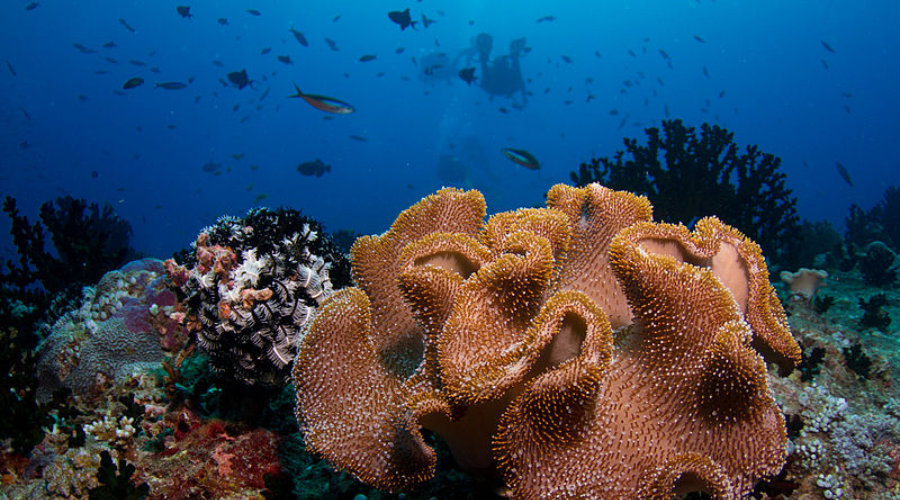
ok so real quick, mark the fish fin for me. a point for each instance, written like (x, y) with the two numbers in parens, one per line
(299, 93)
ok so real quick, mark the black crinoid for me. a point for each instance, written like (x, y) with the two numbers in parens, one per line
(250, 284)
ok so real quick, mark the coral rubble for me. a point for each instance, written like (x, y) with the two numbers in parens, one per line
(579, 349)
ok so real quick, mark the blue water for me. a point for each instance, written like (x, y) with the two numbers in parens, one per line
(148, 146)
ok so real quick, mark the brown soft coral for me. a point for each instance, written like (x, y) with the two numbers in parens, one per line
(580, 349)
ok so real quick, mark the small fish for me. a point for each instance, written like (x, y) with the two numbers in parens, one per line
(171, 85)
(631, 53)
(133, 82)
(222, 21)
(94, 174)
(324, 103)
(358, 138)
(260, 197)
(31, 6)
(126, 25)
(84, 50)
(184, 11)
(566, 59)
(299, 37)
(154, 69)
(503, 110)
(546, 19)
(367, 58)
(399, 50)
(468, 75)
(285, 59)
(331, 44)
(828, 47)
(254, 12)
(265, 50)
(402, 18)
(426, 22)
(664, 54)
(705, 72)
(842, 171)
(238, 156)
(108, 45)
(137, 62)
(313, 168)
(614, 112)
(240, 79)
(721, 94)
(521, 157)
(699, 39)
(210, 166)
(336, 18)
(12, 70)
(217, 63)
(265, 93)
(825, 64)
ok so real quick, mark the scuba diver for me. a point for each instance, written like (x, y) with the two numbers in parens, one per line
(502, 75)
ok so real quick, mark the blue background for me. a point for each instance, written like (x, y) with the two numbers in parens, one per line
(766, 55)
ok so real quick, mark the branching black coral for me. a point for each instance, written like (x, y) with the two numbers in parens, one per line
(687, 174)
(115, 483)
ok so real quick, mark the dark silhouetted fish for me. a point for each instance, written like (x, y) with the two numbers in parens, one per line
(705, 72)
(426, 22)
(402, 18)
(84, 50)
(171, 85)
(265, 50)
(238, 156)
(825, 64)
(367, 58)
(12, 70)
(154, 69)
(222, 21)
(631, 53)
(336, 18)
(108, 45)
(399, 50)
(133, 82)
(664, 54)
(31, 6)
(331, 44)
(210, 166)
(126, 25)
(184, 11)
(253, 12)
(299, 37)
(699, 39)
(842, 171)
(240, 79)
(546, 19)
(358, 138)
(324, 103)
(828, 47)
(521, 157)
(313, 168)
(285, 59)
(137, 62)
(566, 59)
(468, 75)
(217, 63)
(721, 94)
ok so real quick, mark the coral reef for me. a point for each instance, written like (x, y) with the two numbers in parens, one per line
(804, 283)
(874, 313)
(876, 263)
(579, 349)
(124, 323)
(702, 174)
(250, 285)
(879, 223)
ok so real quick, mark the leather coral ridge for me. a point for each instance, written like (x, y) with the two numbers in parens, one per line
(579, 349)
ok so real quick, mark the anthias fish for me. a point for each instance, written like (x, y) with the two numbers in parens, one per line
(402, 18)
(521, 157)
(324, 103)
(171, 85)
(133, 82)
(184, 11)
(240, 79)
(300, 38)
(842, 171)
(468, 75)
(313, 168)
